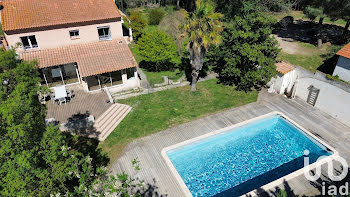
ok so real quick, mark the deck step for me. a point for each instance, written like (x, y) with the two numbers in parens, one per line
(111, 112)
(110, 119)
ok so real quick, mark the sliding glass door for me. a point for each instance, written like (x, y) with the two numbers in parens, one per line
(59, 75)
(104, 80)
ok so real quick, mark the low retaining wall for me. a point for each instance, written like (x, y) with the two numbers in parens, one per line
(333, 98)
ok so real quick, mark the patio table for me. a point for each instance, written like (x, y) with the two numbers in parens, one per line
(60, 92)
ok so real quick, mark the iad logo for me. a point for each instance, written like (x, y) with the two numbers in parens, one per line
(331, 189)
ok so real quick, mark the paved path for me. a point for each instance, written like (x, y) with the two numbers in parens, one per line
(146, 89)
(161, 181)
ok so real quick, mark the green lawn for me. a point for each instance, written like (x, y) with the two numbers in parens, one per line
(308, 62)
(157, 77)
(161, 110)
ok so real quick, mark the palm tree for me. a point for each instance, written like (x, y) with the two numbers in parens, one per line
(203, 27)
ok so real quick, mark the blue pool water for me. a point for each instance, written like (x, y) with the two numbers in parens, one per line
(235, 162)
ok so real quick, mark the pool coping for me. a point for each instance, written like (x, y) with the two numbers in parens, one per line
(267, 186)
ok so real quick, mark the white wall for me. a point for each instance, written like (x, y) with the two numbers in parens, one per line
(128, 84)
(332, 100)
(283, 82)
(343, 69)
(60, 37)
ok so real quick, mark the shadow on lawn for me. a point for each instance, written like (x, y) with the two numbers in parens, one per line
(306, 31)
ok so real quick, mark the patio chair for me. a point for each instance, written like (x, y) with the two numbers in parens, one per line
(62, 100)
(70, 94)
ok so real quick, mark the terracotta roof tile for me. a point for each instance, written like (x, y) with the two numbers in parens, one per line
(92, 58)
(345, 51)
(284, 67)
(27, 14)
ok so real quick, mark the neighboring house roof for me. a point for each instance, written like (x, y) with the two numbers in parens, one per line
(284, 67)
(345, 51)
(36, 15)
(92, 58)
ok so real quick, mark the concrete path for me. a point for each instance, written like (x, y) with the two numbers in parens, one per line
(152, 90)
(161, 181)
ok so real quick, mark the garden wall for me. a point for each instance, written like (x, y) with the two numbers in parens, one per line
(333, 98)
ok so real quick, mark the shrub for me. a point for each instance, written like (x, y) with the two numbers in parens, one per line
(312, 13)
(158, 51)
(155, 16)
(137, 24)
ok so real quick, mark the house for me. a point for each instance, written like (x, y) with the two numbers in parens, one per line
(342, 69)
(74, 42)
(285, 78)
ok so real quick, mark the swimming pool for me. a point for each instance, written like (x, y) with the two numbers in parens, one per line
(239, 159)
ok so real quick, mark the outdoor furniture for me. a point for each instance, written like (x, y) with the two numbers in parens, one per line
(62, 100)
(60, 94)
(70, 94)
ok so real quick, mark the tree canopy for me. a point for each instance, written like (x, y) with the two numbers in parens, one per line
(203, 27)
(35, 159)
(137, 24)
(246, 57)
(158, 51)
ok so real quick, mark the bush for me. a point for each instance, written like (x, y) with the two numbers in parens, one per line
(312, 13)
(155, 16)
(137, 24)
(331, 51)
(158, 51)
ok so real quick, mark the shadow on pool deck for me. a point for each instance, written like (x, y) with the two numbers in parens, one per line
(265, 178)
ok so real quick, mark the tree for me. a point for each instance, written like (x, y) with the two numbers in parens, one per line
(203, 27)
(246, 57)
(340, 9)
(158, 51)
(137, 24)
(155, 16)
(35, 159)
(316, 9)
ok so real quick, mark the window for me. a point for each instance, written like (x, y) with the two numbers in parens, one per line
(104, 33)
(29, 42)
(74, 33)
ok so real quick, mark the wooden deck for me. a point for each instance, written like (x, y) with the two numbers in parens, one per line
(82, 104)
(160, 180)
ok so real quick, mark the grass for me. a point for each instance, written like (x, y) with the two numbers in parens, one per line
(308, 62)
(158, 111)
(157, 77)
(307, 45)
(300, 15)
